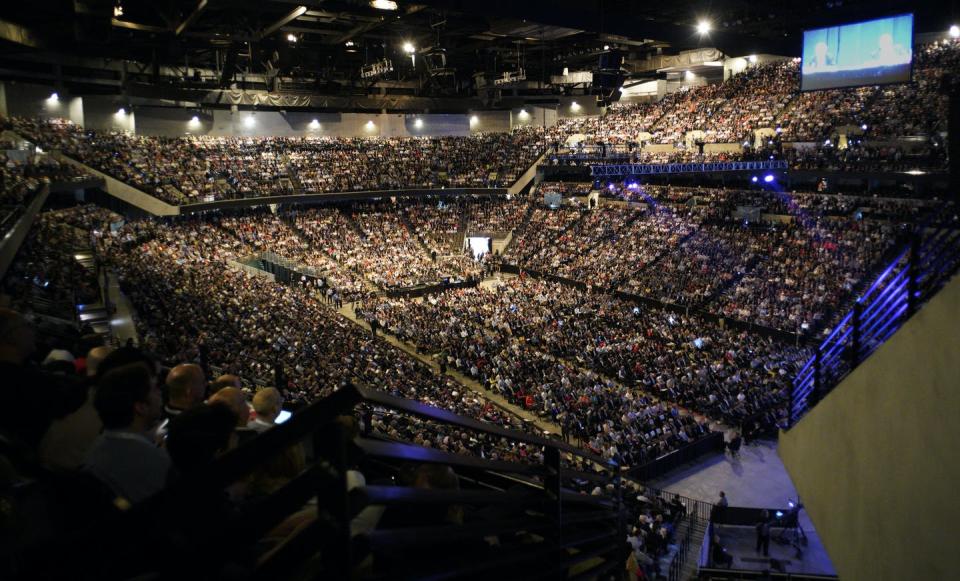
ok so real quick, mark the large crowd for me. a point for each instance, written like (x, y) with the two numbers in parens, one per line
(615, 328)
(612, 371)
(199, 168)
(789, 263)
(22, 174)
(767, 96)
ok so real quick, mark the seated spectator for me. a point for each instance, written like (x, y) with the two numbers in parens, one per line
(186, 388)
(267, 404)
(199, 435)
(124, 457)
(32, 398)
(69, 439)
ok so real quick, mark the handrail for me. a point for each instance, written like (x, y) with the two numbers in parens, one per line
(551, 512)
(921, 267)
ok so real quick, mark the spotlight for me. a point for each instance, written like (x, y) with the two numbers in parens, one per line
(779, 130)
(752, 58)
(418, 123)
(688, 75)
(409, 48)
(383, 4)
(523, 113)
(121, 112)
(348, 44)
(606, 47)
(53, 98)
(291, 37)
(864, 127)
(704, 27)
(768, 178)
(754, 179)
(474, 120)
(370, 125)
(955, 31)
(249, 121)
(314, 124)
(574, 106)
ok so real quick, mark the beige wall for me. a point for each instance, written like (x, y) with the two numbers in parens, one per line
(877, 462)
(127, 193)
(100, 112)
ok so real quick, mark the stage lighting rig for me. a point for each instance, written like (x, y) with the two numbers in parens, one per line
(377, 69)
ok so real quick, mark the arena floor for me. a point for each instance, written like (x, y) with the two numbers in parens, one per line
(756, 479)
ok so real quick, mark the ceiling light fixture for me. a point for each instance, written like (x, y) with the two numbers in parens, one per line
(383, 4)
(704, 27)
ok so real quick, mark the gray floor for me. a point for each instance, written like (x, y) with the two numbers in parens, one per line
(121, 323)
(757, 479)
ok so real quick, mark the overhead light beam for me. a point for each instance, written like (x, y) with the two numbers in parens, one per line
(191, 18)
(293, 15)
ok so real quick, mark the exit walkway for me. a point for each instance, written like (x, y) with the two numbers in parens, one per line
(546, 426)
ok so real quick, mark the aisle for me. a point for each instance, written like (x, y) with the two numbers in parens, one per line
(544, 425)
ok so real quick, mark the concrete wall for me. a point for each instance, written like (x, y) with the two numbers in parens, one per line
(11, 241)
(127, 193)
(579, 106)
(103, 113)
(26, 100)
(876, 462)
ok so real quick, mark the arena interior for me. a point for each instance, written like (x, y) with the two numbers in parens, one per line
(433, 289)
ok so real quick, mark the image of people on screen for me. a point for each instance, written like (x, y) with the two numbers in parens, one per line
(822, 58)
(873, 52)
(889, 54)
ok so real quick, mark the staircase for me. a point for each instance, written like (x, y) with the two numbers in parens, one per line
(96, 314)
(519, 230)
(294, 177)
(305, 241)
(415, 234)
(718, 292)
(681, 563)
(626, 275)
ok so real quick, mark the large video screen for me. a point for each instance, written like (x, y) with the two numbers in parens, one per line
(875, 52)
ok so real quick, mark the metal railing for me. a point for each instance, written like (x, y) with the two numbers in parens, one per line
(920, 269)
(696, 520)
(544, 524)
(675, 571)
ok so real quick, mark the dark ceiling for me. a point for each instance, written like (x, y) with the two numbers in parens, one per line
(322, 45)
